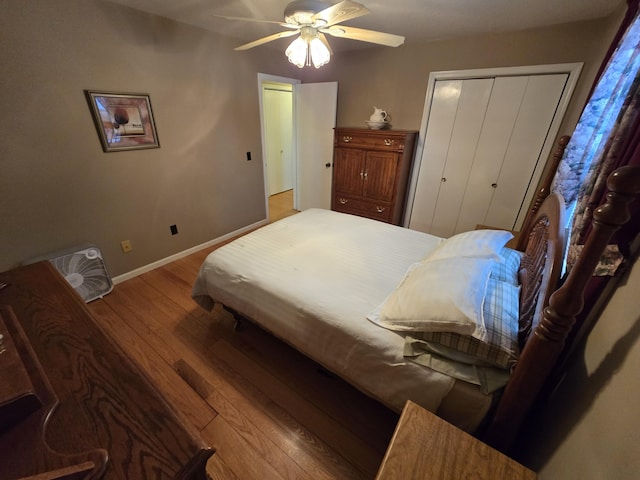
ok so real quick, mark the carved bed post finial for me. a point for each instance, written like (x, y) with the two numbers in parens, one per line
(568, 300)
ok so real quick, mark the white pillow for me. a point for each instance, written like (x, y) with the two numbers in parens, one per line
(439, 296)
(476, 243)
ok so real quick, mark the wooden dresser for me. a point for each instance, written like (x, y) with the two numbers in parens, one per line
(89, 411)
(425, 447)
(371, 171)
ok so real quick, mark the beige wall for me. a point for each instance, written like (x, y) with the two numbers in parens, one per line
(396, 78)
(591, 430)
(59, 189)
(401, 74)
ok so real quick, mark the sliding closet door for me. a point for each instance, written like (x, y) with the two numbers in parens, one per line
(460, 144)
(482, 146)
(500, 118)
(531, 128)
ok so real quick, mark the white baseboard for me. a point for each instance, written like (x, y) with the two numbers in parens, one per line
(184, 253)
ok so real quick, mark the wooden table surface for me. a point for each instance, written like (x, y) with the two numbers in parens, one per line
(425, 447)
(100, 412)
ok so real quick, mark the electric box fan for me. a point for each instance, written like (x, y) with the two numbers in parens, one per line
(84, 269)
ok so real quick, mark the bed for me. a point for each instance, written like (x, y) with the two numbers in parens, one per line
(334, 287)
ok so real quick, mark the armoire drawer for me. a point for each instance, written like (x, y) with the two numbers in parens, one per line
(364, 140)
(378, 211)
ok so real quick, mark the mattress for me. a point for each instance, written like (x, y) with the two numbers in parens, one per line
(312, 278)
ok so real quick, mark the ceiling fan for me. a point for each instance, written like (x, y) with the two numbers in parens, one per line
(311, 19)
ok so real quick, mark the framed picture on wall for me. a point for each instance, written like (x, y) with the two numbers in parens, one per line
(124, 120)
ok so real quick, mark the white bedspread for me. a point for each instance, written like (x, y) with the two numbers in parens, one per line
(311, 279)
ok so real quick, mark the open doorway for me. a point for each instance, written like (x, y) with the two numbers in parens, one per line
(278, 144)
(310, 120)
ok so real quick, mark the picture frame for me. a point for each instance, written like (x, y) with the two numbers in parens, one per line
(124, 120)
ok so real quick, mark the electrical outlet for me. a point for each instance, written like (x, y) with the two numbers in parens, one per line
(126, 246)
(174, 229)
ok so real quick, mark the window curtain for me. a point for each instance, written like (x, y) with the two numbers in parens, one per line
(606, 137)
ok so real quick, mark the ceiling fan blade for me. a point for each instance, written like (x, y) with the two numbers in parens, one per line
(244, 19)
(371, 36)
(324, 40)
(262, 40)
(340, 12)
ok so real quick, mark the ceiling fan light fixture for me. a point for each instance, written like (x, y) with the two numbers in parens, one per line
(320, 54)
(308, 49)
(312, 19)
(297, 52)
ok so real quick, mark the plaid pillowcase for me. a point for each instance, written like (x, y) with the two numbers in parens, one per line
(500, 313)
(507, 270)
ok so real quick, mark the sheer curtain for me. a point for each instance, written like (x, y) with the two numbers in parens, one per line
(606, 137)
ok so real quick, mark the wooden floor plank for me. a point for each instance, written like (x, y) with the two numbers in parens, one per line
(281, 205)
(300, 408)
(234, 397)
(168, 382)
(173, 282)
(237, 454)
(261, 436)
(321, 387)
(181, 356)
(218, 470)
(269, 411)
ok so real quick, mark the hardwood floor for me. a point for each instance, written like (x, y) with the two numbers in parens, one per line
(270, 412)
(281, 205)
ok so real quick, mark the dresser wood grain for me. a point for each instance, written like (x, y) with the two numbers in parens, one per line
(102, 417)
(371, 171)
(425, 447)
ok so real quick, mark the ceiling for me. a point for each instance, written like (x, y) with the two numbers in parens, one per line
(417, 20)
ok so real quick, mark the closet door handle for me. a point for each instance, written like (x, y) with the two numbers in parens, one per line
(443, 179)
(494, 185)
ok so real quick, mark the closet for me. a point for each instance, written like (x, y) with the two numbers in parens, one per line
(485, 146)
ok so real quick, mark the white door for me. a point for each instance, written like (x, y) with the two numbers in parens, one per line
(484, 147)
(315, 107)
(314, 117)
(278, 128)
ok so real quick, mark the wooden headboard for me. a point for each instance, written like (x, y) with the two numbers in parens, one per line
(542, 262)
(547, 318)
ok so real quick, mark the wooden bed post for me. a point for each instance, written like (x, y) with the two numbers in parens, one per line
(548, 339)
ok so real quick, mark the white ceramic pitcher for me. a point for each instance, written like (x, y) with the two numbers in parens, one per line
(378, 115)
